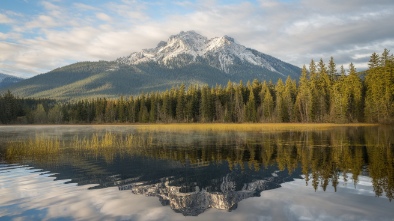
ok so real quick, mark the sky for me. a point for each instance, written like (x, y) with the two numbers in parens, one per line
(38, 36)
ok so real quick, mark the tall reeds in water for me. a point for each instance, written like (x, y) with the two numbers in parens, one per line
(38, 147)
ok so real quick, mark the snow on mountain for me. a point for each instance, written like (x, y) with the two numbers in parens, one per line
(190, 47)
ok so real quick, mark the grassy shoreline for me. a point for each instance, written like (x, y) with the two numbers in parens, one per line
(249, 126)
(186, 127)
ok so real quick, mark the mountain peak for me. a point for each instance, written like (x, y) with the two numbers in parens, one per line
(186, 34)
(227, 38)
(188, 47)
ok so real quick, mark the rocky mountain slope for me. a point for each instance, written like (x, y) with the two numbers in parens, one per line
(220, 52)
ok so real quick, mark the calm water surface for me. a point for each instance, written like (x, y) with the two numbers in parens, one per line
(142, 173)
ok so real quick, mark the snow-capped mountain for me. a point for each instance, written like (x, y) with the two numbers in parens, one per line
(222, 53)
(186, 58)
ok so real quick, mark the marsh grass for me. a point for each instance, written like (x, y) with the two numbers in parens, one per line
(38, 147)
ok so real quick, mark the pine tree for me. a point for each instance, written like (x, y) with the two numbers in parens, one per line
(373, 61)
(143, 113)
(339, 102)
(192, 104)
(206, 107)
(219, 103)
(180, 104)
(121, 109)
(332, 71)
(8, 108)
(239, 103)
(379, 97)
(354, 90)
(314, 91)
(250, 109)
(267, 104)
(323, 97)
(165, 113)
(229, 110)
(304, 98)
(289, 96)
(153, 108)
(280, 111)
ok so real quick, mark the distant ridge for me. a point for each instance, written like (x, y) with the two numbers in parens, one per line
(8, 80)
(186, 58)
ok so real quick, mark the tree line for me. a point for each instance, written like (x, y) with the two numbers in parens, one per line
(322, 94)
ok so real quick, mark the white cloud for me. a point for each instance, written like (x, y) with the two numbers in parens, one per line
(42, 21)
(82, 6)
(4, 19)
(103, 16)
(294, 31)
(50, 6)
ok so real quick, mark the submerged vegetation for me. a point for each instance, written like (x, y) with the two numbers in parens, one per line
(322, 94)
(323, 155)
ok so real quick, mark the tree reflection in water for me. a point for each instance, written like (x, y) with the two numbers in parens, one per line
(195, 170)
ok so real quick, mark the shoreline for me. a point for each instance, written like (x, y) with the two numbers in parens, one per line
(210, 126)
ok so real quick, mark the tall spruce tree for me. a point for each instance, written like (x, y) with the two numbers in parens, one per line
(250, 108)
(304, 98)
(280, 111)
(267, 103)
(180, 103)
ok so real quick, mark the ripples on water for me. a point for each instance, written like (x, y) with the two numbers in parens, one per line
(125, 172)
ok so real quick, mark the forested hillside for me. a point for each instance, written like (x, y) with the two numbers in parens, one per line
(322, 94)
(8, 80)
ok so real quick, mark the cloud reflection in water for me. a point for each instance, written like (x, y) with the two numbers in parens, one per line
(34, 195)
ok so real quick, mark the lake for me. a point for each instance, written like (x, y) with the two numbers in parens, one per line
(197, 172)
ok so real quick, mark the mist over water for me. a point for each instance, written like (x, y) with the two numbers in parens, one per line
(150, 173)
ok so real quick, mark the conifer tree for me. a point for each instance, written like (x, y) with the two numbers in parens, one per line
(8, 108)
(280, 111)
(153, 108)
(289, 96)
(165, 113)
(239, 103)
(332, 71)
(304, 98)
(267, 104)
(379, 97)
(206, 109)
(180, 103)
(250, 109)
(339, 103)
(323, 97)
(354, 90)
(229, 110)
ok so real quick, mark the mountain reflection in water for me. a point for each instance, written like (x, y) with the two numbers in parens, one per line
(192, 171)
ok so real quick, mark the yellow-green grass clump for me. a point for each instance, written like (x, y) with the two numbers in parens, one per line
(35, 147)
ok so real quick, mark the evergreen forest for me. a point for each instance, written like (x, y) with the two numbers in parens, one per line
(323, 93)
